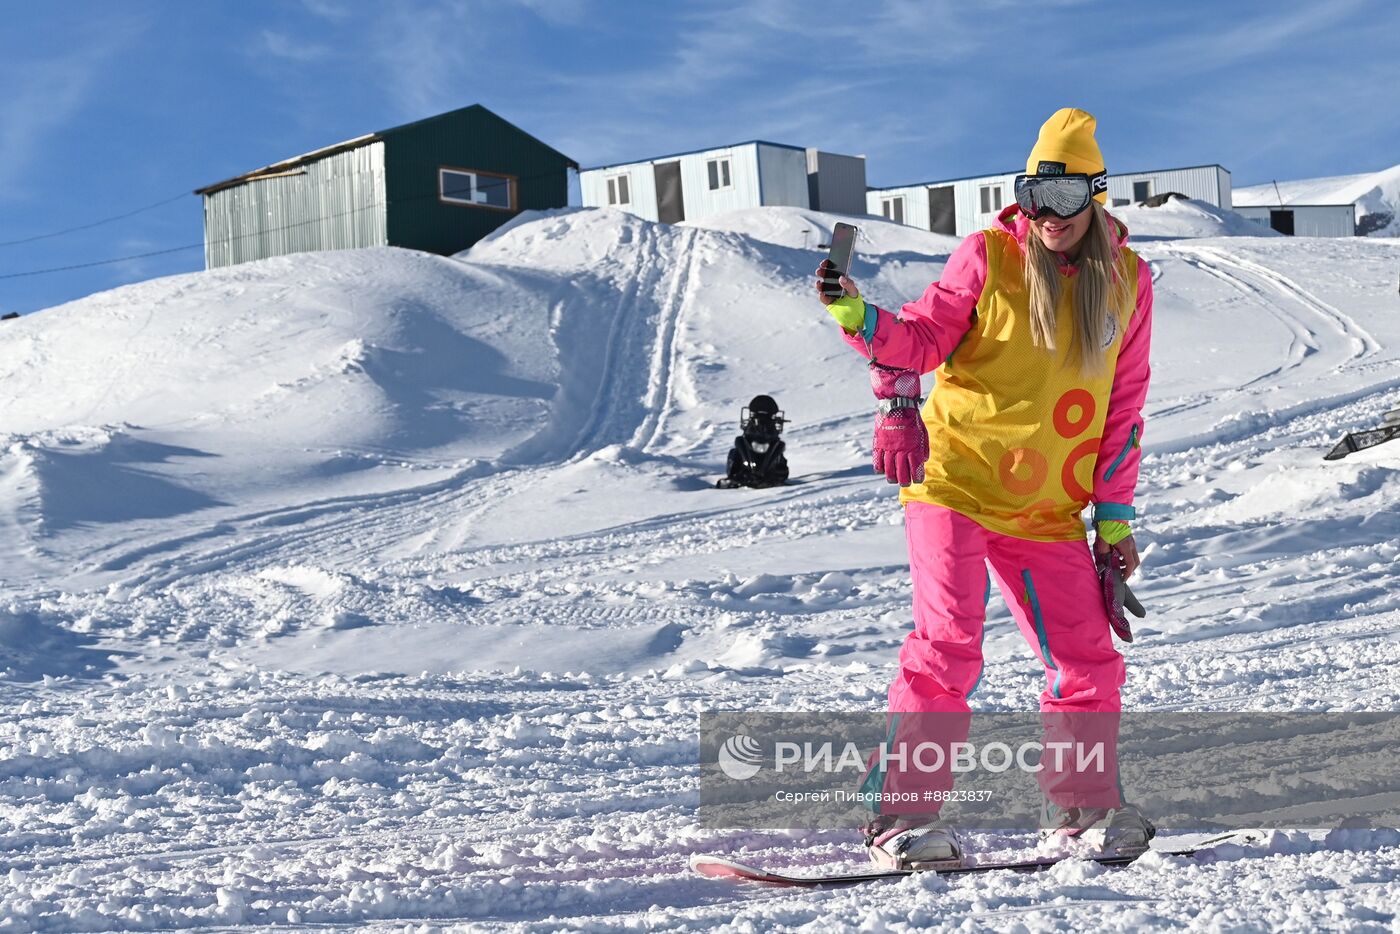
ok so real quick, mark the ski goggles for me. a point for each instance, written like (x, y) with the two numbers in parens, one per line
(1061, 195)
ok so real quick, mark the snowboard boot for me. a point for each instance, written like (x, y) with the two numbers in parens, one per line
(912, 843)
(1122, 831)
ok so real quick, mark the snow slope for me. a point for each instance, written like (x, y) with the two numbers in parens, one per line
(1375, 193)
(382, 590)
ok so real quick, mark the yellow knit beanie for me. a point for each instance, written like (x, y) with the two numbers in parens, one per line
(1066, 146)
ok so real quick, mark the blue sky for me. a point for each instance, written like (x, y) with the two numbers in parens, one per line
(108, 108)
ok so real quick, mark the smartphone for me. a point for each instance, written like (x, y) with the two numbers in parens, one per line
(843, 240)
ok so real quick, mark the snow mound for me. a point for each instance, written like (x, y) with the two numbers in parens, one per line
(801, 228)
(1182, 218)
(379, 347)
(71, 477)
(1375, 194)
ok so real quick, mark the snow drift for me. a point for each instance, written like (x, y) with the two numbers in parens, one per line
(1179, 218)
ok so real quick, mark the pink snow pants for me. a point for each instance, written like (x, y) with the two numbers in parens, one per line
(1052, 590)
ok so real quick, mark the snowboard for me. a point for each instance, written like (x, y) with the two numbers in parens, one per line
(720, 867)
(1361, 440)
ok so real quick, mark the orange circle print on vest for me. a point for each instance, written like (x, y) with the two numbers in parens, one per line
(1023, 471)
(1067, 478)
(1068, 426)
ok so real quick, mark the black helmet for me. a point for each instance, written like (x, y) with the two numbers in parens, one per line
(763, 405)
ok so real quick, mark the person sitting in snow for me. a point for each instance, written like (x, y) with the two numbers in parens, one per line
(1038, 330)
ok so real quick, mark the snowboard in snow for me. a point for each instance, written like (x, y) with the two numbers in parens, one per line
(719, 867)
(1361, 440)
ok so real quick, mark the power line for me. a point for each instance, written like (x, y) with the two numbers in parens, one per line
(100, 262)
(99, 223)
(256, 233)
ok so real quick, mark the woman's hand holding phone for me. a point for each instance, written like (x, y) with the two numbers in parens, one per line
(841, 297)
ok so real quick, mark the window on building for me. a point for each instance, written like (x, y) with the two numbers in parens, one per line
(1142, 190)
(991, 198)
(618, 192)
(1119, 202)
(893, 209)
(719, 174)
(477, 189)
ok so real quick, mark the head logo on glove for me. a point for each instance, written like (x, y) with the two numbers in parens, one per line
(900, 447)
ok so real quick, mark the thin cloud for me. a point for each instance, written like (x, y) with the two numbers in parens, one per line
(282, 46)
(424, 51)
(44, 95)
(1256, 38)
(327, 10)
(430, 52)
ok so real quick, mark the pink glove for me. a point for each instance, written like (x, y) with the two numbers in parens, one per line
(901, 440)
(1116, 595)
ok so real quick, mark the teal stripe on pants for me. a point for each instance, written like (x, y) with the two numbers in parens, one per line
(1040, 631)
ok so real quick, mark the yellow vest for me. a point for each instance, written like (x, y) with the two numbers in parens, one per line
(1014, 429)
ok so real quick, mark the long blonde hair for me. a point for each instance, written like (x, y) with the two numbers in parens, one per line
(1099, 290)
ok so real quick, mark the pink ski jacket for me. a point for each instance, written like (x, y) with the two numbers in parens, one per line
(1020, 440)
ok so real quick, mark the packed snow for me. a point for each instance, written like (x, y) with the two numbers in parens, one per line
(383, 590)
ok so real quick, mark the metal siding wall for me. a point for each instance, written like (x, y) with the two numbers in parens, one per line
(1309, 220)
(473, 138)
(593, 188)
(1323, 220)
(337, 203)
(840, 181)
(1227, 195)
(967, 202)
(872, 199)
(915, 204)
(783, 176)
(642, 179)
(916, 207)
(641, 184)
(1200, 184)
(743, 192)
(1259, 216)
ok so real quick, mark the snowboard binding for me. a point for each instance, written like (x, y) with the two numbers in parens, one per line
(757, 460)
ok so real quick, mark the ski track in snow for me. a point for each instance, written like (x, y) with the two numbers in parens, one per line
(1327, 341)
(468, 699)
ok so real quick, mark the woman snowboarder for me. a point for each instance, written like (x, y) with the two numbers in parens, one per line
(1038, 330)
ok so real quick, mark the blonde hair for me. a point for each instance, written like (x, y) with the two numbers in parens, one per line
(1098, 290)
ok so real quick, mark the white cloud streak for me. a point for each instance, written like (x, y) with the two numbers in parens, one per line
(44, 95)
(288, 48)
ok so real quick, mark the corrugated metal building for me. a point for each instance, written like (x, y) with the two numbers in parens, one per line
(437, 185)
(962, 206)
(695, 185)
(835, 183)
(1209, 183)
(1305, 220)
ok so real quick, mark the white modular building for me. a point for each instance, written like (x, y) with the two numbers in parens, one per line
(1304, 220)
(956, 207)
(962, 206)
(699, 184)
(1209, 183)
